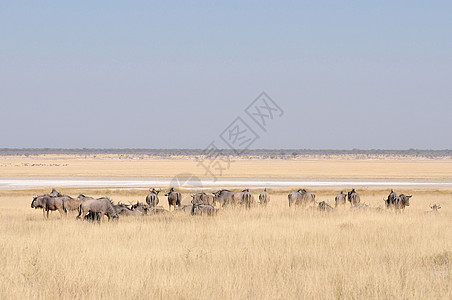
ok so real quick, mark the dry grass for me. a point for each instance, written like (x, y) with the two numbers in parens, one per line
(260, 254)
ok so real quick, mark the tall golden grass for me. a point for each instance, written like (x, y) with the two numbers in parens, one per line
(272, 253)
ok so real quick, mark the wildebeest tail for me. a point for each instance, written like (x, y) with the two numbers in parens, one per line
(79, 211)
(64, 207)
(178, 199)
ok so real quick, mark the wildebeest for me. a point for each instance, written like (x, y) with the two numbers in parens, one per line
(341, 199)
(353, 197)
(55, 193)
(124, 210)
(84, 198)
(203, 197)
(157, 210)
(174, 198)
(185, 209)
(103, 206)
(324, 206)
(152, 199)
(48, 203)
(203, 209)
(140, 207)
(435, 207)
(301, 197)
(401, 201)
(247, 198)
(390, 201)
(71, 204)
(264, 198)
(226, 197)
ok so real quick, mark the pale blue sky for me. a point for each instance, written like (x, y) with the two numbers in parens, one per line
(355, 74)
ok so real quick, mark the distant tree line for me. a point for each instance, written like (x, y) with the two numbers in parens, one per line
(260, 153)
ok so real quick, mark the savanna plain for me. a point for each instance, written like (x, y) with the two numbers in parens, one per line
(274, 252)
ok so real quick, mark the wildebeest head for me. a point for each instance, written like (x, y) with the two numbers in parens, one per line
(197, 198)
(406, 199)
(401, 201)
(55, 193)
(35, 203)
(141, 207)
(154, 191)
(170, 191)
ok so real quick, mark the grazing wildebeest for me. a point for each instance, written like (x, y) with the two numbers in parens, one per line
(174, 198)
(185, 209)
(247, 198)
(226, 197)
(48, 203)
(203, 209)
(401, 201)
(341, 199)
(301, 197)
(264, 198)
(324, 206)
(124, 211)
(152, 199)
(103, 206)
(140, 207)
(203, 197)
(157, 210)
(390, 201)
(353, 197)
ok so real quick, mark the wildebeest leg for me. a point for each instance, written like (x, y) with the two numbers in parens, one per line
(44, 213)
(48, 213)
(80, 212)
(61, 211)
(100, 217)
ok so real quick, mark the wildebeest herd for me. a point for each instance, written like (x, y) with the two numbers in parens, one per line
(202, 203)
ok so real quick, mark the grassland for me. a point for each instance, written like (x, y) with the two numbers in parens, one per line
(271, 253)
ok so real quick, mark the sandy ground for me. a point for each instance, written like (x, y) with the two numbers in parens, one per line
(108, 166)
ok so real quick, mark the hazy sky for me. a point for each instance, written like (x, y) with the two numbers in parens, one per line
(137, 74)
